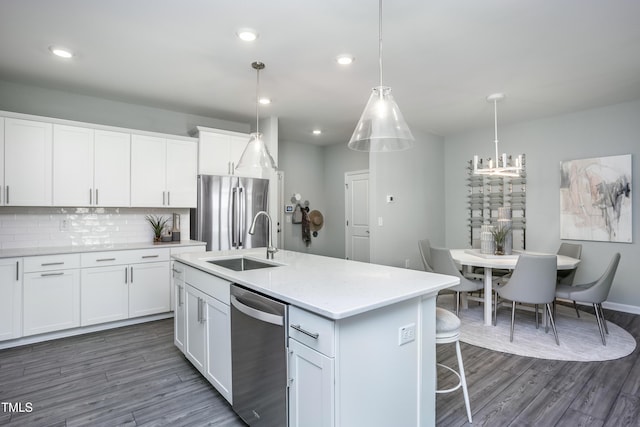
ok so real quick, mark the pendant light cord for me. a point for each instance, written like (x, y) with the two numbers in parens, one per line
(257, 100)
(380, 43)
(495, 119)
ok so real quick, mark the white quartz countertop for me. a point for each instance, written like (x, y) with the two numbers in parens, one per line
(331, 287)
(57, 250)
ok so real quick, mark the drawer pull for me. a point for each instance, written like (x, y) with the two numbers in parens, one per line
(175, 270)
(46, 264)
(105, 259)
(52, 274)
(310, 334)
(150, 256)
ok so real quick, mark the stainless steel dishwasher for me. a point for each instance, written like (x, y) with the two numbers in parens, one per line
(259, 358)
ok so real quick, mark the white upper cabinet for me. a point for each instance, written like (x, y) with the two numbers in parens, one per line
(112, 168)
(219, 151)
(1, 161)
(163, 172)
(90, 168)
(27, 163)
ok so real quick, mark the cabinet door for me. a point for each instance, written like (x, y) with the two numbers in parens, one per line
(311, 390)
(1, 161)
(218, 367)
(195, 327)
(112, 168)
(213, 154)
(51, 301)
(149, 288)
(28, 163)
(237, 144)
(182, 176)
(179, 316)
(10, 298)
(72, 166)
(148, 171)
(104, 294)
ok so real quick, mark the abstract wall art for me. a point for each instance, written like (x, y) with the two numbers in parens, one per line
(595, 199)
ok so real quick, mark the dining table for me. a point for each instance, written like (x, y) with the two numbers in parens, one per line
(475, 258)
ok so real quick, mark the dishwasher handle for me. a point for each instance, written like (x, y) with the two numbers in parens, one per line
(257, 314)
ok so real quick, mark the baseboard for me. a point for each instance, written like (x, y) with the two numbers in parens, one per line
(83, 330)
(625, 308)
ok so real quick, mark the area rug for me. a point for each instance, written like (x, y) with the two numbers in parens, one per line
(579, 337)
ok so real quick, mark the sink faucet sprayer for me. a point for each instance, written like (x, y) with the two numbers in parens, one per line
(270, 249)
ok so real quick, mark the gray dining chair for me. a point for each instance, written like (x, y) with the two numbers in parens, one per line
(565, 277)
(533, 282)
(594, 293)
(443, 263)
(425, 252)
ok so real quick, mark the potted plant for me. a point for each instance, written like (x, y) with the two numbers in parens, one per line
(158, 224)
(500, 234)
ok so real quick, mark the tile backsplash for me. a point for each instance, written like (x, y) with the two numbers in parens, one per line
(25, 227)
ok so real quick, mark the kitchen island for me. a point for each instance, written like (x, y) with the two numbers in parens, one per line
(366, 352)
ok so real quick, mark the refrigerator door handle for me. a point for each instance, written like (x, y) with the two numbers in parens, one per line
(234, 217)
(241, 217)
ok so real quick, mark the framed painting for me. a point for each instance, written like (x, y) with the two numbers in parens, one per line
(595, 199)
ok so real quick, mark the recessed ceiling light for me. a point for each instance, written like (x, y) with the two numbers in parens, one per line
(344, 59)
(317, 132)
(264, 101)
(247, 34)
(62, 52)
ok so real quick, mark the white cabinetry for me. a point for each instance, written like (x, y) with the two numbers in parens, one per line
(90, 167)
(177, 271)
(27, 162)
(311, 370)
(219, 151)
(124, 284)
(163, 172)
(51, 293)
(207, 342)
(1, 161)
(179, 316)
(10, 298)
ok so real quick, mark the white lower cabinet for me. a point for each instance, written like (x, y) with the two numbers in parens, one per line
(10, 298)
(207, 327)
(104, 294)
(51, 293)
(149, 289)
(179, 316)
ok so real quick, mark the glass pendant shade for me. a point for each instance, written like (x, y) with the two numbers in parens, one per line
(381, 126)
(256, 154)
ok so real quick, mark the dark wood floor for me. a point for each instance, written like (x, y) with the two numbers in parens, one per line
(134, 376)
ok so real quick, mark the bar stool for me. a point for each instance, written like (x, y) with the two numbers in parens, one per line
(448, 331)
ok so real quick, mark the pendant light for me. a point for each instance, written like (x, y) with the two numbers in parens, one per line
(256, 154)
(499, 165)
(381, 126)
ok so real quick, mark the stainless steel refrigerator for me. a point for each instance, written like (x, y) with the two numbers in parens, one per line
(226, 207)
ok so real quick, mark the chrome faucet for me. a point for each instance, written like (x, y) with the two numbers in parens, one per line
(270, 249)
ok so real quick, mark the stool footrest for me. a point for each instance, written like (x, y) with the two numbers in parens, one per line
(457, 386)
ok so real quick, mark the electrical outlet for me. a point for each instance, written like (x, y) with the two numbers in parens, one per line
(406, 334)
(64, 225)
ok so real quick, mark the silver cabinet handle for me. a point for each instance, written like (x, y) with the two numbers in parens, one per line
(17, 270)
(97, 196)
(6, 199)
(168, 198)
(307, 333)
(150, 256)
(199, 311)
(90, 196)
(204, 318)
(177, 271)
(52, 274)
(105, 259)
(180, 296)
(132, 275)
(126, 276)
(163, 198)
(51, 263)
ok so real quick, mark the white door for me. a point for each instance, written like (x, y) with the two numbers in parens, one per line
(182, 176)
(28, 162)
(357, 215)
(149, 288)
(104, 294)
(194, 346)
(218, 368)
(72, 166)
(213, 157)
(10, 298)
(179, 315)
(148, 171)
(112, 168)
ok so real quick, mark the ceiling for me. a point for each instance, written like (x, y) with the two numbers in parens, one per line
(441, 57)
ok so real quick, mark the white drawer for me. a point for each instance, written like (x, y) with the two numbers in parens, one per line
(51, 262)
(312, 330)
(101, 259)
(211, 285)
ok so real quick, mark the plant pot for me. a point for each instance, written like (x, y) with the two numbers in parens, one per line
(499, 249)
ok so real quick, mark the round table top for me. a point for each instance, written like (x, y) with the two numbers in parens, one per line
(475, 258)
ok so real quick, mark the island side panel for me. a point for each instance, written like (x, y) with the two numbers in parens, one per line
(428, 375)
(377, 380)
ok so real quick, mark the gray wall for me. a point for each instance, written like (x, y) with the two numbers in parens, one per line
(415, 178)
(609, 131)
(19, 98)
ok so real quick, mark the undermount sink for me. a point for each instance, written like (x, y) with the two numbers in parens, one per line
(241, 263)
